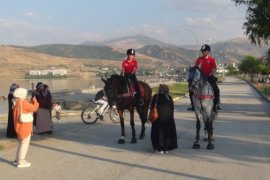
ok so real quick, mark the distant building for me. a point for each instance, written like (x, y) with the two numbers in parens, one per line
(35, 72)
(54, 72)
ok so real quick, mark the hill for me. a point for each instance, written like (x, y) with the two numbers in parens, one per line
(236, 49)
(15, 62)
(231, 50)
(81, 60)
(136, 42)
(169, 53)
(78, 51)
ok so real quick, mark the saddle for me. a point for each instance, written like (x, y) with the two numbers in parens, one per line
(131, 90)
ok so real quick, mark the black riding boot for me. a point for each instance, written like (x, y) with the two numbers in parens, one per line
(138, 98)
(213, 82)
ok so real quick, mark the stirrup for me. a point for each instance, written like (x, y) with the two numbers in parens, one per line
(140, 102)
(218, 108)
(190, 108)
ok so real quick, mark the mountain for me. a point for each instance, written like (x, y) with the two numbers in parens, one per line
(150, 48)
(78, 51)
(236, 49)
(16, 62)
(169, 53)
(136, 41)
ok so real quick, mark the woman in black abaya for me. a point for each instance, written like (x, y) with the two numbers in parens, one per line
(163, 131)
(10, 126)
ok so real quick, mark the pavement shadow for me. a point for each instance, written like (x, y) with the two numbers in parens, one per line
(133, 165)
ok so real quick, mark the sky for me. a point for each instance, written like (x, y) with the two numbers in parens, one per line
(36, 22)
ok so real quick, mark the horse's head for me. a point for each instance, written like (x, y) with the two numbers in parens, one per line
(195, 78)
(113, 87)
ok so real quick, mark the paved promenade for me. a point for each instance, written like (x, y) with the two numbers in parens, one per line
(79, 151)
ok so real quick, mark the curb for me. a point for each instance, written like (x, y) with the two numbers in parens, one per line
(261, 94)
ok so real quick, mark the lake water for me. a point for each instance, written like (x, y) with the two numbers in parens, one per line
(54, 85)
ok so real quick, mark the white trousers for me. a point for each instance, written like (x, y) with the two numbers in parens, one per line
(22, 149)
(103, 104)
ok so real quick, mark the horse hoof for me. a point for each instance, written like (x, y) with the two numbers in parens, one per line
(196, 146)
(121, 141)
(133, 141)
(141, 136)
(210, 146)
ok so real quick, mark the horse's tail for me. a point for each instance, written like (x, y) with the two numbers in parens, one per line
(147, 96)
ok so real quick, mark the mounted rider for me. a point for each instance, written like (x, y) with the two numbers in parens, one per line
(129, 69)
(208, 66)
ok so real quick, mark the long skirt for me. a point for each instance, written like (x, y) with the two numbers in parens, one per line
(43, 121)
(163, 135)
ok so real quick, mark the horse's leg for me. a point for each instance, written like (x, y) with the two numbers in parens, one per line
(142, 111)
(209, 128)
(196, 144)
(132, 124)
(211, 132)
(123, 134)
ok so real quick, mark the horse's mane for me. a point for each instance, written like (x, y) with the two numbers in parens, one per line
(118, 78)
(194, 68)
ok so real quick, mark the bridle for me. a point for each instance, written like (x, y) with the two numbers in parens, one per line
(195, 82)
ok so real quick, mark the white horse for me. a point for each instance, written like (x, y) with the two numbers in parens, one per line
(203, 96)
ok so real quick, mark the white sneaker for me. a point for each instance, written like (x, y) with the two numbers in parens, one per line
(159, 152)
(26, 164)
(15, 163)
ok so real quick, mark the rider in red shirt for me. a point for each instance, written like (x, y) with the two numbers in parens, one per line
(129, 69)
(208, 66)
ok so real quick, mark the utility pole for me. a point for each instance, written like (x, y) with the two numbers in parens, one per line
(196, 40)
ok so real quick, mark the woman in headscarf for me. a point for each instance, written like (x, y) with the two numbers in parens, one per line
(10, 126)
(163, 131)
(43, 118)
(23, 130)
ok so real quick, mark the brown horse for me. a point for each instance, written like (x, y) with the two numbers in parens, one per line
(116, 89)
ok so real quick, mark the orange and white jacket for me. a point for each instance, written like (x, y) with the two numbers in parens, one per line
(23, 130)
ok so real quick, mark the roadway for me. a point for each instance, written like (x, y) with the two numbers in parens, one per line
(79, 151)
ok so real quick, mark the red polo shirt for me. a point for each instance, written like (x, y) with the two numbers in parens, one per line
(130, 66)
(206, 65)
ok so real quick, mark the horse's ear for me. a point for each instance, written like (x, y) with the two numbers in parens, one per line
(104, 80)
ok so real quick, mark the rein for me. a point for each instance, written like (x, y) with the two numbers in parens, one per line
(200, 96)
(201, 83)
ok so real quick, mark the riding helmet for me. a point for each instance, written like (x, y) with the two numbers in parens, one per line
(131, 52)
(205, 47)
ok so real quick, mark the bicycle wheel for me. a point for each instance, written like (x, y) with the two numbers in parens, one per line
(114, 116)
(89, 115)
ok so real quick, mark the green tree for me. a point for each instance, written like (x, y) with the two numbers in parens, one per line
(249, 65)
(231, 70)
(257, 23)
(267, 66)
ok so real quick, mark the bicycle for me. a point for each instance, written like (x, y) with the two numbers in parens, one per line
(90, 115)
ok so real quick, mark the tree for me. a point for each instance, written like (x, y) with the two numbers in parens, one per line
(249, 65)
(267, 65)
(257, 23)
(232, 70)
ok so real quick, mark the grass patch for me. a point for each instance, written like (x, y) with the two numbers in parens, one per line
(1, 147)
(264, 89)
(176, 90)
